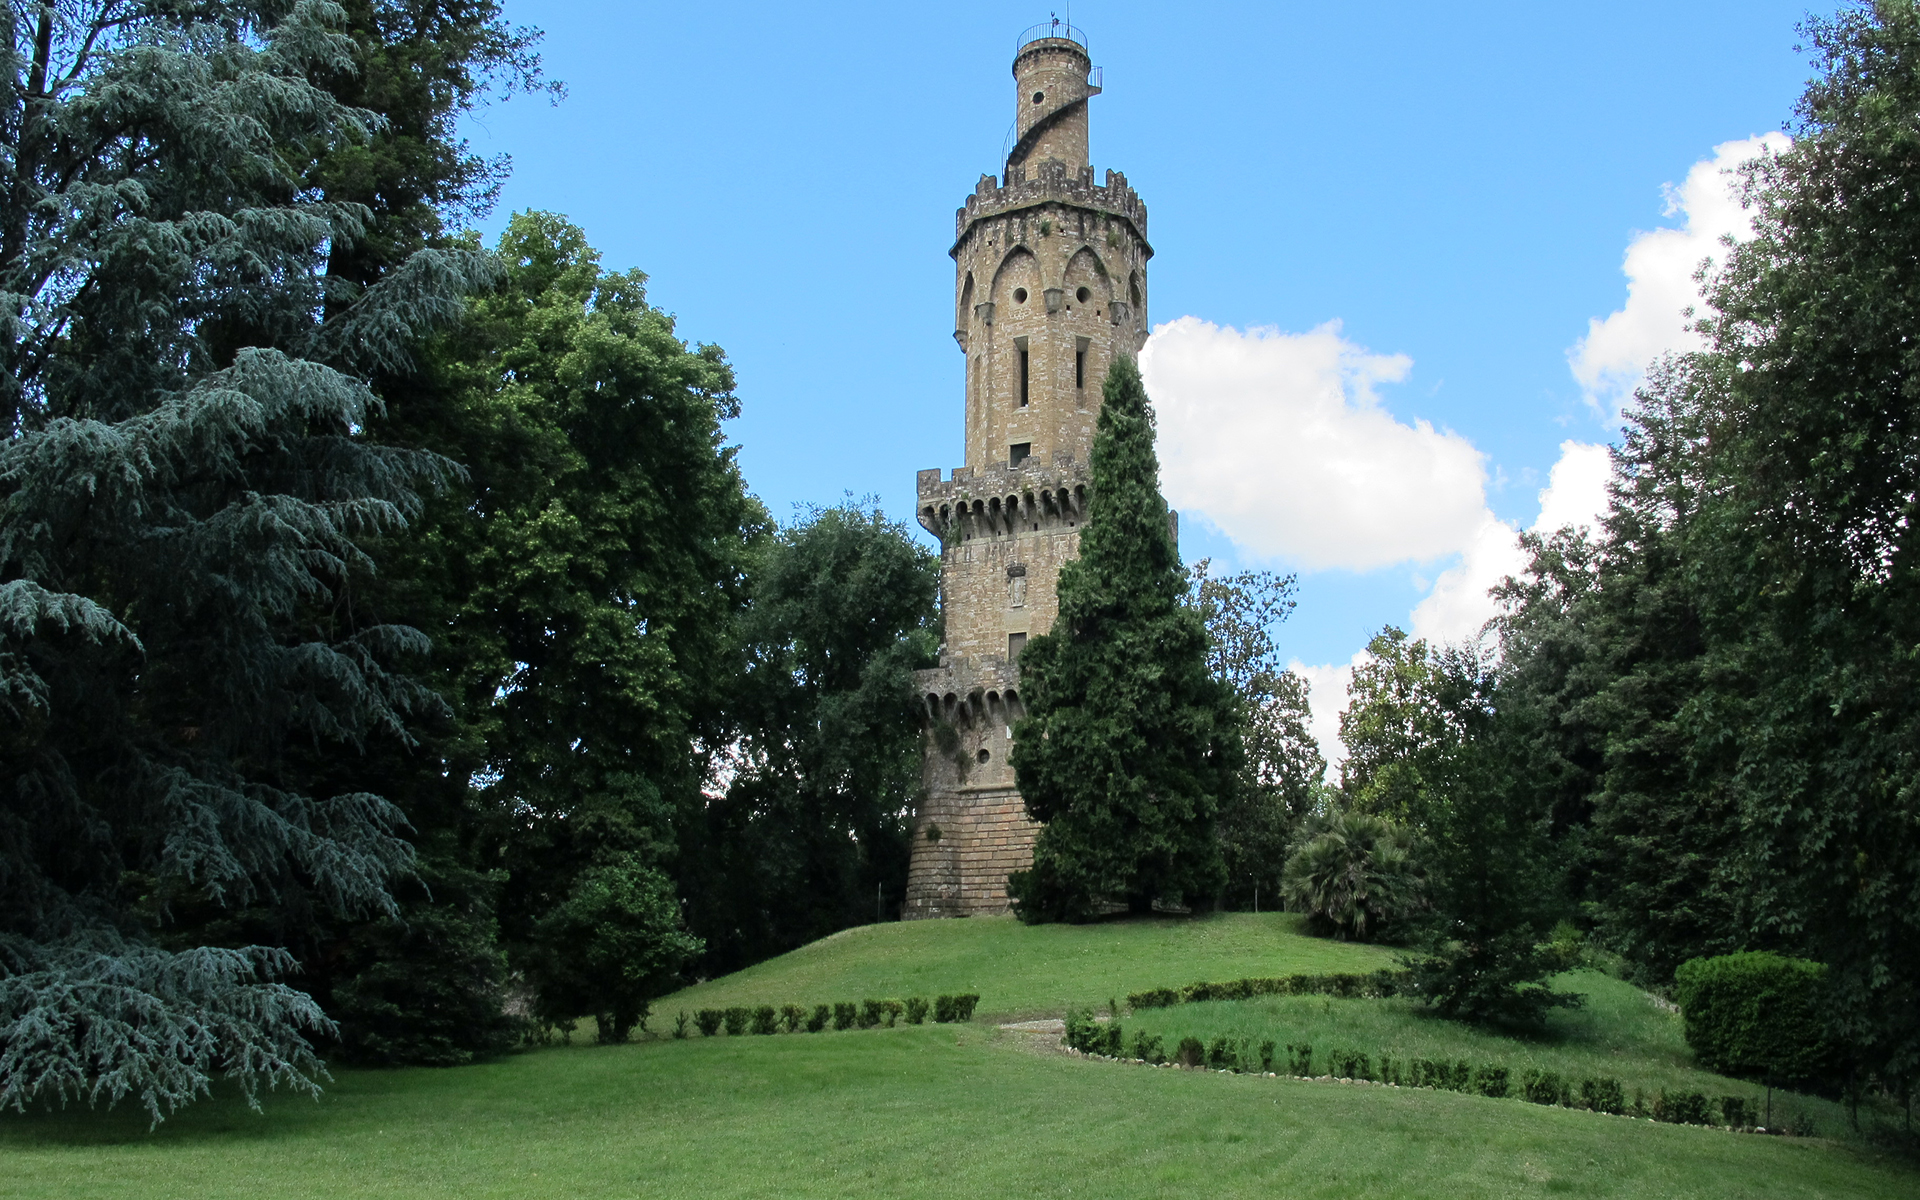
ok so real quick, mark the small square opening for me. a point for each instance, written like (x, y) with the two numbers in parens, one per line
(1018, 453)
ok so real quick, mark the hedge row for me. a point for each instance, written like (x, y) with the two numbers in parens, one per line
(1372, 986)
(793, 1018)
(1242, 1055)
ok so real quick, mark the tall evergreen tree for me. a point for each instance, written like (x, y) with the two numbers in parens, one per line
(186, 490)
(1130, 743)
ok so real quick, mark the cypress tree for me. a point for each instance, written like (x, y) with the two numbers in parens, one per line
(1130, 743)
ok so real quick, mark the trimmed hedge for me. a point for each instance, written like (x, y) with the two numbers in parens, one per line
(1373, 986)
(1757, 1015)
(791, 1018)
(1106, 1038)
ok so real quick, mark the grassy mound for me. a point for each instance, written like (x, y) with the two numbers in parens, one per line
(1022, 970)
(960, 1110)
(932, 1111)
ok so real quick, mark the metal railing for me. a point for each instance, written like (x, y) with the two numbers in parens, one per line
(1056, 28)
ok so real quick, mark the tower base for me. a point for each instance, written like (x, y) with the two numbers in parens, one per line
(972, 830)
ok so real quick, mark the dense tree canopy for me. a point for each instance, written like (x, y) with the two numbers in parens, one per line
(1282, 775)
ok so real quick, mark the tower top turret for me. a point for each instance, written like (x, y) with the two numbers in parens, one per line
(1053, 80)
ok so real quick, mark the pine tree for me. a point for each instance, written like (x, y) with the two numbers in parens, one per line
(186, 490)
(1130, 743)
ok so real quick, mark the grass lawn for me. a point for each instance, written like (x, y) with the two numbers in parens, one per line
(1022, 970)
(956, 1110)
(931, 1111)
(1621, 1033)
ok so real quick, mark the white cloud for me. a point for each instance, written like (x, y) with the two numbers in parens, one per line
(1280, 441)
(1326, 700)
(1458, 607)
(1660, 267)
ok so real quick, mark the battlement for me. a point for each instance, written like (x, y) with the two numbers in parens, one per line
(1001, 498)
(971, 691)
(1050, 183)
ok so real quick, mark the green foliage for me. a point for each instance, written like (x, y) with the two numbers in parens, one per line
(1345, 985)
(844, 1015)
(1732, 669)
(1432, 753)
(189, 487)
(871, 1013)
(917, 1009)
(823, 754)
(428, 986)
(1129, 744)
(1491, 1081)
(1281, 777)
(1190, 1052)
(680, 1024)
(611, 947)
(1602, 1095)
(1354, 874)
(709, 1020)
(818, 1019)
(766, 1020)
(1543, 1087)
(793, 1017)
(1759, 1016)
(952, 1009)
(736, 1018)
(1682, 1108)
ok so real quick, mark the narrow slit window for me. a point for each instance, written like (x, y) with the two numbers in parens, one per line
(1023, 379)
(1080, 368)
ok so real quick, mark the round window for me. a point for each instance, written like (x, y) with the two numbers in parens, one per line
(1019, 295)
(1039, 96)
(984, 756)
(1083, 295)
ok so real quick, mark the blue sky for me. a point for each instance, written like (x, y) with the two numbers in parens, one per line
(1456, 186)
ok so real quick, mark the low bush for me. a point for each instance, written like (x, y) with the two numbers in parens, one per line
(950, 1009)
(894, 1009)
(1758, 1016)
(1389, 1069)
(709, 1021)
(871, 1011)
(1267, 1050)
(1735, 1111)
(680, 1024)
(1147, 1047)
(916, 1010)
(766, 1019)
(1221, 1055)
(736, 1019)
(1544, 1087)
(1491, 1081)
(1603, 1095)
(1349, 1064)
(793, 1016)
(1190, 1052)
(844, 1015)
(1682, 1108)
(1154, 998)
(818, 1021)
(1300, 1059)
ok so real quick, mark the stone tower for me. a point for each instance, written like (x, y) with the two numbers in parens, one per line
(1050, 285)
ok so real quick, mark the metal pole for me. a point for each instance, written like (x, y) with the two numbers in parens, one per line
(879, 909)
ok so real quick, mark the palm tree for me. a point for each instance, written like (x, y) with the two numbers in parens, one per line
(1353, 873)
